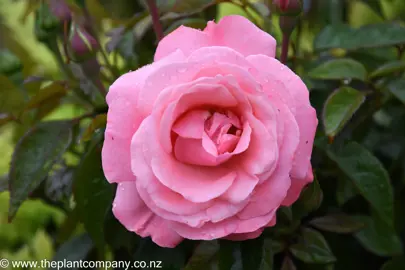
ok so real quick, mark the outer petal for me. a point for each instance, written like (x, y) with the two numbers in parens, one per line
(304, 113)
(132, 212)
(242, 35)
(124, 118)
(295, 190)
(223, 228)
(226, 33)
(184, 38)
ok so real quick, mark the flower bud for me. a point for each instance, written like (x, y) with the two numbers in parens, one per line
(287, 24)
(9, 63)
(46, 19)
(288, 7)
(60, 10)
(82, 44)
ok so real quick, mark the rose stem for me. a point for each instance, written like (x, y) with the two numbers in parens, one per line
(154, 12)
(284, 47)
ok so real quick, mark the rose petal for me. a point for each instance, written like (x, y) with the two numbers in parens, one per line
(191, 151)
(271, 193)
(304, 113)
(184, 38)
(192, 124)
(241, 188)
(124, 118)
(295, 190)
(254, 160)
(195, 183)
(242, 35)
(197, 95)
(226, 33)
(132, 212)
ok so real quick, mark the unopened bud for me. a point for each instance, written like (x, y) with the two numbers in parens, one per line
(60, 10)
(9, 63)
(287, 24)
(46, 19)
(82, 44)
(288, 7)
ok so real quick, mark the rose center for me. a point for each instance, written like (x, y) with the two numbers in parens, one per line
(224, 129)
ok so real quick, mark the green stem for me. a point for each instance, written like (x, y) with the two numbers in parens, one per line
(53, 46)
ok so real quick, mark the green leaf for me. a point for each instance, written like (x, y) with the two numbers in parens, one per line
(58, 185)
(395, 263)
(338, 223)
(277, 246)
(257, 254)
(170, 258)
(68, 227)
(339, 69)
(375, 5)
(9, 63)
(339, 108)
(226, 258)
(379, 237)
(75, 249)
(97, 122)
(309, 201)
(389, 68)
(50, 92)
(11, 99)
(288, 264)
(34, 156)
(252, 253)
(93, 194)
(3, 183)
(117, 236)
(369, 36)
(397, 88)
(203, 256)
(368, 176)
(312, 248)
(345, 191)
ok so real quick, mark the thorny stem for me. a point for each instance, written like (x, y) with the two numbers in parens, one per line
(154, 12)
(284, 48)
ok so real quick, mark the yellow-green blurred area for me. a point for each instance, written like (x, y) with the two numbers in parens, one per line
(25, 237)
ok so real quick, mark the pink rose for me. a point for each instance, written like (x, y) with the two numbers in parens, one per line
(210, 139)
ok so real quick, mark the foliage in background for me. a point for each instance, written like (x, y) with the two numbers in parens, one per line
(57, 59)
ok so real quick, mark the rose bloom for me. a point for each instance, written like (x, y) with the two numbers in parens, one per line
(210, 139)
